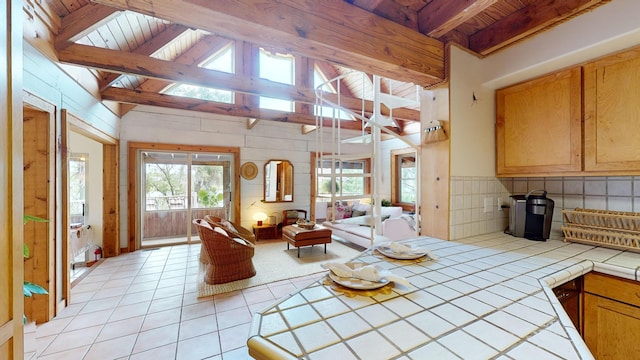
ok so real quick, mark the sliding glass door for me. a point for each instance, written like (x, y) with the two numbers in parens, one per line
(179, 186)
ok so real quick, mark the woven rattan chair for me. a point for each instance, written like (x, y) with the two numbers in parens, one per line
(231, 227)
(230, 258)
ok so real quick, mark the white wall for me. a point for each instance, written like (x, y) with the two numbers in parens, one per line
(472, 121)
(82, 144)
(267, 140)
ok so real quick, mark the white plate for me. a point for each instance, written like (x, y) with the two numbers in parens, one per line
(358, 284)
(355, 283)
(386, 251)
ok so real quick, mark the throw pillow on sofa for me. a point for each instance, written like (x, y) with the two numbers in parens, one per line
(342, 210)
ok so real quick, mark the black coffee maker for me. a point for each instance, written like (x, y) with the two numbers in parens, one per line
(530, 215)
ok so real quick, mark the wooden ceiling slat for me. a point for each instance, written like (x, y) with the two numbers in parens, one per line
(119, 35)
(527, 21)
(397, 52)
(442, 16)
(82, 22)
(147, 48)
(134, 28)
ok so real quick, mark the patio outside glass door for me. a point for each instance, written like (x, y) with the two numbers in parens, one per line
(179, 187)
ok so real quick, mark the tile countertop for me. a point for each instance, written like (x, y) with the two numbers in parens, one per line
(486, 297)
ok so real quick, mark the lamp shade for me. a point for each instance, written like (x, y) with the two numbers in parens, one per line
(260, 217)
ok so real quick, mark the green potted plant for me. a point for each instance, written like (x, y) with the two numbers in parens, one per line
(29, 288)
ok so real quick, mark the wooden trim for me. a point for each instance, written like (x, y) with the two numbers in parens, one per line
(395, 184)
(111, 203)
(43, 269)
(11, 178)
(133, 180)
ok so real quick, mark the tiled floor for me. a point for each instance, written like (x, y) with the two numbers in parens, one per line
(144, 305)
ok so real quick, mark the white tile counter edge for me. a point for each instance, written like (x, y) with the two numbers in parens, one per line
(568, 274)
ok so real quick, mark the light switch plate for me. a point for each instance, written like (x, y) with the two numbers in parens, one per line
(488, 204)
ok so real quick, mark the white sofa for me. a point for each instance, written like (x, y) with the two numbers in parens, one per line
(358, 230)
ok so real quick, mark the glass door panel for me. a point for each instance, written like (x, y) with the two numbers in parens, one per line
(179, 187)
(165, 213)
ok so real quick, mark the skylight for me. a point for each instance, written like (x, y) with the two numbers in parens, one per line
(223, 60)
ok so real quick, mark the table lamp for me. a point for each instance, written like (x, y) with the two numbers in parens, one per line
(260, 217)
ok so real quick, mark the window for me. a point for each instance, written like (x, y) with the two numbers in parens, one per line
(351, 179)
(220, 61)
(404, 175)
(77, 188)
(278, 68)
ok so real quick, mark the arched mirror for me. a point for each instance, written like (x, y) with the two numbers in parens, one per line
(278, 181)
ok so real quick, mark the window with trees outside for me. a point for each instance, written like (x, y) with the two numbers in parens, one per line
(404, 175)
(350, 178)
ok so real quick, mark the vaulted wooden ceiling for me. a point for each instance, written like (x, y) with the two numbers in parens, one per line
(137, 48)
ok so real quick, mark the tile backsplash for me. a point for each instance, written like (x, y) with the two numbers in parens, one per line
(470, 194)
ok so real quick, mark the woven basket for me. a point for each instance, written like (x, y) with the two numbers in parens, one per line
(612, 229)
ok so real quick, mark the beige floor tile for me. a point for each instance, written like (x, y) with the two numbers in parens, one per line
(233, 338)
(144, 305)
(166, 352)
(200, 347)
(73, 339)
(156, 337)
(112, 349)
(121, 328)
(73, 354)
(196, 327)
(161, 318)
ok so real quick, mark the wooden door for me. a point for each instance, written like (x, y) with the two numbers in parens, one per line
(539, 126)
(612, 113)
(11, 230)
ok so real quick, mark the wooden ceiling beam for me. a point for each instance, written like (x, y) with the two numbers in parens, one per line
(126, 62)
(163, 38)
(194, 56)
(535, 17)
(335, 31)
(244, 111)
(442, 16)
(83, 21)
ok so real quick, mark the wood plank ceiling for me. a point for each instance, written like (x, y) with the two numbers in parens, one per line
(136, 49)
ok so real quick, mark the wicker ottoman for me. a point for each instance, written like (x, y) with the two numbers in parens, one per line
(298, 236)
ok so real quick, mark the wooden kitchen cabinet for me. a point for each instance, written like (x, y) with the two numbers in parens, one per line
(539, 126)
(612, 113)
(611, 317)
(582, 121)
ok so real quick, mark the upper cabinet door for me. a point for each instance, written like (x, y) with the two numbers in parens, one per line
(612, 113)
(539, 126)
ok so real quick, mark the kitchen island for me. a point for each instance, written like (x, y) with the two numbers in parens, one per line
(485, 297)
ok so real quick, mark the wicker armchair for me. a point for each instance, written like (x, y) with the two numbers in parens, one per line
(232, 228)
(230, 258)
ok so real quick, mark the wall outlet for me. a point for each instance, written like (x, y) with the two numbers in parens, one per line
(488, 204)
(499, 204)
